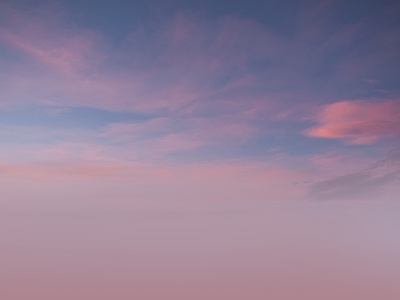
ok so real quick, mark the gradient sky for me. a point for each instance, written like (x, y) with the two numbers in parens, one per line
(199, 150)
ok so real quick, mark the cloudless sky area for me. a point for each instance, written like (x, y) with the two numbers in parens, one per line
(190, 150)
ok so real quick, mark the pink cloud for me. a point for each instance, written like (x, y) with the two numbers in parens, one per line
(67, 56)
(42, 36)
(160, 136)
(200, 64)
(53, 171)
(136, 183)
(220, 173)
(191, 64)
(147, 140)
(357, 122)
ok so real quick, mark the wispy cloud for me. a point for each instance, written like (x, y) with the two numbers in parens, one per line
(67, 51)
(205, 83)
(190, 63)
(355, 186)
(165, 135)
(377, 180)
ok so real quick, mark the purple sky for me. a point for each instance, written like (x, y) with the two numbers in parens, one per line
(199, 150)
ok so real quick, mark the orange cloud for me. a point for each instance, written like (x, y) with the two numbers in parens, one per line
(357, 122)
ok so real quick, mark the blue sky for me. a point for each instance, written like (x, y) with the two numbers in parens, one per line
(200, 82)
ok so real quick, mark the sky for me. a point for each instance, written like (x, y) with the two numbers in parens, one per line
(199, 150)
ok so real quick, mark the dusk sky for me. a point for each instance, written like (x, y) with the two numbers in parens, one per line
(219, 149)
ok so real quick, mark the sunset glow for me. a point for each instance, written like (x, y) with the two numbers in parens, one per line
(199, 150)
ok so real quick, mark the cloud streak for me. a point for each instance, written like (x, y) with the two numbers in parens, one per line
(378, 180)
(67, 51)
(355, 186)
